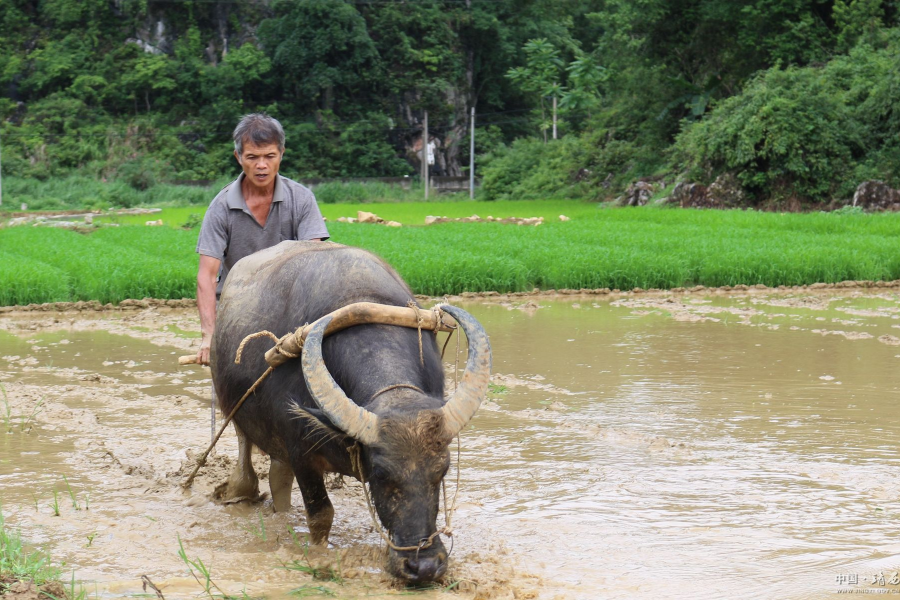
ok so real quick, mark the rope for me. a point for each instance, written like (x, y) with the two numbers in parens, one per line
(446, 343)
(356, 465)
(202, 460)
(278, 344)
(411, 304)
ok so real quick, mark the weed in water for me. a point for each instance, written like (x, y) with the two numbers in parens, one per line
(311, 590)
(54, 506)
(494, 388)
(17, 563)
(73, 593)
(200, 572)
(331, 574)
(7, 413)
(90, 539)
(28, 422)
(71, 494)
(258, 531)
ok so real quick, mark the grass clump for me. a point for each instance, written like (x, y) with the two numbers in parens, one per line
(17, 563)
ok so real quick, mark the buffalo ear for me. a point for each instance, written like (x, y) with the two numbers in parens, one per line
(320, 424)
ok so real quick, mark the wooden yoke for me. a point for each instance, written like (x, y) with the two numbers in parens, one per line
(362, 313)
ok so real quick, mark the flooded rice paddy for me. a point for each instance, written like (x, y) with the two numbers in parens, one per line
(649, 446)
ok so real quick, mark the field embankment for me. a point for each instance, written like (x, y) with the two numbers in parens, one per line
(597, 248)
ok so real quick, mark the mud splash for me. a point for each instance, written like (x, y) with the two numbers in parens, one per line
(652, 445)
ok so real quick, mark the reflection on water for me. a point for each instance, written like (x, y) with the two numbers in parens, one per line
(750, 453)
(739, 447)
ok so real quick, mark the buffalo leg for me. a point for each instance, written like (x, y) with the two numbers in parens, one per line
(243, 482)
(281, 477)
(319, 512)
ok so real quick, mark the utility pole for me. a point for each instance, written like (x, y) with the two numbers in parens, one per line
(554, 117)
(1, 174)
(472, 157)
(425, 155)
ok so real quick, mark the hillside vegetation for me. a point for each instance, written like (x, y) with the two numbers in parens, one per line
(795, 98)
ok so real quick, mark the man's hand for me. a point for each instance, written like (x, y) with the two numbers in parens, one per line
(206, 303)
(203, 352)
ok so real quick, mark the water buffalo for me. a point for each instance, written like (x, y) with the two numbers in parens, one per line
(376, 391)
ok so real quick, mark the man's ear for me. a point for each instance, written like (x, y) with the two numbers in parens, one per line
(237, 157)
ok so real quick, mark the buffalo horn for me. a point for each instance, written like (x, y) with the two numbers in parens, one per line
(350, 418)
(467, 398)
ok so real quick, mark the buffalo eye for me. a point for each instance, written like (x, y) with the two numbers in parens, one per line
(379, 474)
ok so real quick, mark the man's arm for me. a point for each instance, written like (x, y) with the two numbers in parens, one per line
(206, 303)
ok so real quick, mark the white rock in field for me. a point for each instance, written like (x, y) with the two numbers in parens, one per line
(88, 219)
(430, 219)
(156, 223)
(342, 219)
(564, 218)
(367, 217)
(393, 224)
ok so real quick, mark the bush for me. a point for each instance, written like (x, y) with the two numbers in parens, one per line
(529, 168)
(813, 133)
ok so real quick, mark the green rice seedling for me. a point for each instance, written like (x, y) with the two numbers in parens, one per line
(90, 539)
(71, 494)
(616, 249)
(54, 506)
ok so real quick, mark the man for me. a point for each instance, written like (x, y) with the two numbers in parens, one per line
(256, 211)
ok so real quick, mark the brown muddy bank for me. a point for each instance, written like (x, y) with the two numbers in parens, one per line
(132, 304)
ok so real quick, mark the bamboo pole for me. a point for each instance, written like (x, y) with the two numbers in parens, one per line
(425, 154)
(472, 157)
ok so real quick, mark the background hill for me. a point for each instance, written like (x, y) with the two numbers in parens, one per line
(795, 98)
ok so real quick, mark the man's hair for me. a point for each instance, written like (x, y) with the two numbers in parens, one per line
(259, 129)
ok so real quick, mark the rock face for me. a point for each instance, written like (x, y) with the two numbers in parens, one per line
(638, 193)
(725, 192)
(689, 195)
(876, 195)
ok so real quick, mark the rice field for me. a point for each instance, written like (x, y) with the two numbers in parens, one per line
(598, 248)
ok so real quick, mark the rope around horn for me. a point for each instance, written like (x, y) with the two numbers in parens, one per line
(356, 465)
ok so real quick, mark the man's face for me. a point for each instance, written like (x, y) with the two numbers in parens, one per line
(260, 163)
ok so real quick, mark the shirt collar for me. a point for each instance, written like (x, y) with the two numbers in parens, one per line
(235, 198)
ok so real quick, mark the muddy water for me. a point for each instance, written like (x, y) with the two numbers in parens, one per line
(740, 446)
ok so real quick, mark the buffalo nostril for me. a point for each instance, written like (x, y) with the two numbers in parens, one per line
(424, 569)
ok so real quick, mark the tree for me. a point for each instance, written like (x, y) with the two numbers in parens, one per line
(321, 48)
(540, 76)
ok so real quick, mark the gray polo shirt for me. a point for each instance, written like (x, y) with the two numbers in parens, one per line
(230, 232)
